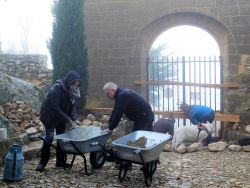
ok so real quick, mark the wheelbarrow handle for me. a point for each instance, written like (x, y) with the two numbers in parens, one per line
(44, 140)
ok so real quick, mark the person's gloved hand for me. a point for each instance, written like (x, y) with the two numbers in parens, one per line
(73, 124)
(70, 125)
(106, 131)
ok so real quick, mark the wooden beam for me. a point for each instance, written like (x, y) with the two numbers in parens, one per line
(159, 82)
(100, 110)
(227, 117)
(218, 116)
(177, 114)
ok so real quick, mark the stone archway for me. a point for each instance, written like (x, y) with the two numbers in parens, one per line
(221, 34)
(216, 29)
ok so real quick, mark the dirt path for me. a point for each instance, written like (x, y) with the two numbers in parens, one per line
(199, 169)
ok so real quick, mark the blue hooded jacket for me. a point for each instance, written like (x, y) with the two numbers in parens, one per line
(201, 114)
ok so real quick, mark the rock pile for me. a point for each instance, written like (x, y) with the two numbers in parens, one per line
(23, 117)
(26, 120)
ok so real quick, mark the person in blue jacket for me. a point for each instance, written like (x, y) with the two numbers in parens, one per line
(132, 105)
(58, 110)
(197, 113)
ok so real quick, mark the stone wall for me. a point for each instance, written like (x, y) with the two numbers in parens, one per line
(120, 34)
(32, 68)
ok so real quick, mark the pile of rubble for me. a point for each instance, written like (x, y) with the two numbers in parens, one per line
(23, 117)
(26, 120)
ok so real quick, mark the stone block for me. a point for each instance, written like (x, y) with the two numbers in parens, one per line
(240, 20)
(234, 148)
(245, 10)
(218, 146)
(107, 43)
(101, 53)
(243, 2)
(240, 30)
(226, 3)
(244, 49)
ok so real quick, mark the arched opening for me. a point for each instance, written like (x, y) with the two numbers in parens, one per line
(184, 65)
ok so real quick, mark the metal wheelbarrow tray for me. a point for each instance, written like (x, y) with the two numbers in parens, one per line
(147, 156)
(80, 141)
(154, 146)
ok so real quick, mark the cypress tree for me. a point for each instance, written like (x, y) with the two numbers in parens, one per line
(67, 46)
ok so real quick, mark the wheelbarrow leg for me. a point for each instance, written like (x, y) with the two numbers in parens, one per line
(147, 171)
(65, 161)
(123, 170)
(85, 166)
(84, 158)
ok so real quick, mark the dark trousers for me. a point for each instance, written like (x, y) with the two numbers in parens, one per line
(45, 151)
(145, 123)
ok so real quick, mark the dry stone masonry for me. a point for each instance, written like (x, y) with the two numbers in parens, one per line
(31, 68)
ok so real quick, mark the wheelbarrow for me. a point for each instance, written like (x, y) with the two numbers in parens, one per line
(80, 141)
(147, 156)
(125, 154)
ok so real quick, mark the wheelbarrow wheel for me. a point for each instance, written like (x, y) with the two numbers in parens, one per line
(123, 171)
(97, 159)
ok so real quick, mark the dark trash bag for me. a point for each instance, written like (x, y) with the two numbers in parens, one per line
(164, 126)
(244, 141)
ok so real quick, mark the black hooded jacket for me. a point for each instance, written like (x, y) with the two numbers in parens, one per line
(59, 105)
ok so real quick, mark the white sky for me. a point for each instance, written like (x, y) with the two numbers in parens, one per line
(34, 17)
(18, 17)
(188, 41)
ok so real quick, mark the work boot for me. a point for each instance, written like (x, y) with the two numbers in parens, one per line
(40, 167)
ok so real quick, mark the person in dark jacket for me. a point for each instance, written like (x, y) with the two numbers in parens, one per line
(197, 113)
(58, 110)
(164, 126)
(132, 105)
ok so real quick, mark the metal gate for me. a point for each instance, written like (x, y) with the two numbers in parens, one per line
(193, 80)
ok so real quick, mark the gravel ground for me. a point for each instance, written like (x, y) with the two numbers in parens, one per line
(199, 169)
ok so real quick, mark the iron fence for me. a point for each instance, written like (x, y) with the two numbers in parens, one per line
(192, 80)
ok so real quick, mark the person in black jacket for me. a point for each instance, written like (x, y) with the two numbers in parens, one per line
(58, 110)
(164, 126)
(132, 105)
